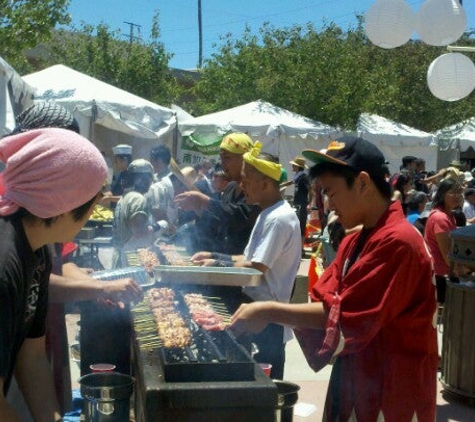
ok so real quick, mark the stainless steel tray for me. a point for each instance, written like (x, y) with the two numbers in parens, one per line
(213, 276)
(137, 273)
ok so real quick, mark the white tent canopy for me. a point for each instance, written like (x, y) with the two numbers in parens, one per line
(397, 140)
(181, 115)
(281, 132)
(458, 136)
(106, 115)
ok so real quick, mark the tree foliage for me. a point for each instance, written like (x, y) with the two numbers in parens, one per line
(329, 75)
(137, 66)
(26, 23)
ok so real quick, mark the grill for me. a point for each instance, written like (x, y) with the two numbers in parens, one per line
(214, 378)
(214, 356)
(210, 356)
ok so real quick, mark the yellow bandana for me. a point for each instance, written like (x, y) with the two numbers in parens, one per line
(236, 143)
(273, 170)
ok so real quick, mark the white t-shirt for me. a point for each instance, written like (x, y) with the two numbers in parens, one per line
(160, 196)
(468, 209)
(275, 242)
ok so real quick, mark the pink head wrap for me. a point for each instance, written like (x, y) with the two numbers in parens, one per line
(49, 172)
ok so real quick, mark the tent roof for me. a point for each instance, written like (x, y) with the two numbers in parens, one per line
(463, 131)
(181, 114)
(109, 106)
(258, 117)
(382, 131)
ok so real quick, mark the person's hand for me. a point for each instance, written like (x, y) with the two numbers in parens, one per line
(86, 270)
(314, 245)
(249, 318)
(107, 198)
(191, 201)
(200, 256)
(123, 290)
(206, 262)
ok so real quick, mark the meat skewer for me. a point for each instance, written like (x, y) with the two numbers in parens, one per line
(172, 328)
(203, 313)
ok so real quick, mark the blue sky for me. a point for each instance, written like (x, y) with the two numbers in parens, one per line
(179, 19)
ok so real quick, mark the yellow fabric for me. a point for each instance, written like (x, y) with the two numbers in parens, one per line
(236, 143)
(273, 170)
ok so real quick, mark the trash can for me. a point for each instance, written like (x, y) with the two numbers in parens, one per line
(287, 393)
(458, 344)
(107, 396)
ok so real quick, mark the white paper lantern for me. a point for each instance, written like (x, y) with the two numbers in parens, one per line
(451, 77)
(441, 22)
(389, 23)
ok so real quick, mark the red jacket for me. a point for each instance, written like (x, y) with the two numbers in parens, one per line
(386, 318)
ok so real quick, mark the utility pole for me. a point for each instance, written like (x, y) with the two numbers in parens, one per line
(132, 26)
(200, 36)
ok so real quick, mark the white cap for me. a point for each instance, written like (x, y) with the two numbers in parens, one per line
(122, 149)
(468, 176)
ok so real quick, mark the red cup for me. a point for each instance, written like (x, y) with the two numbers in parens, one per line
(102, 367)
(266, 367)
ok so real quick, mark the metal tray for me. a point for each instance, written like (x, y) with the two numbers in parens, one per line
(137, 273)
(212, 276)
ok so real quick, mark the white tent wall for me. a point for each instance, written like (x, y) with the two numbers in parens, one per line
(396, 140)
(105, 139)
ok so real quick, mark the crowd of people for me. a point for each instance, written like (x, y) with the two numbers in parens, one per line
(371, 312)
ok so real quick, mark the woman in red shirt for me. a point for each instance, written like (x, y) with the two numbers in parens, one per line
(438, 227)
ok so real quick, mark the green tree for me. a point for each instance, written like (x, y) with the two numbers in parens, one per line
(26, 23)
(328, 75)
(137, 66)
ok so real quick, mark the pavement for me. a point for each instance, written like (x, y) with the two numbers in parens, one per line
(313, 386)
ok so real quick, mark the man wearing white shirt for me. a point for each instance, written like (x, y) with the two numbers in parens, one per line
(274, 248)
(469, 205)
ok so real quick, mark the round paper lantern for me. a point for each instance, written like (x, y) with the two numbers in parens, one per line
(451, 77)
(389, 23)
(441, 22)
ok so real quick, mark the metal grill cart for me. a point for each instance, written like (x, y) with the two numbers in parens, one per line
(212, 379)
(458, 345)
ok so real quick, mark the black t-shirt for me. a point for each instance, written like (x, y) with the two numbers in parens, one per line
(235, 219)
(302, 186)
(118, 183)
(24, 276)
(418, 184)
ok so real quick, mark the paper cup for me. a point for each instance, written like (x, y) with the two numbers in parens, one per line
(266, 367)
(102, 367)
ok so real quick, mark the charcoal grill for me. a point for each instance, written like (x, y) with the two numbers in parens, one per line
(214, 356)
(213, 379)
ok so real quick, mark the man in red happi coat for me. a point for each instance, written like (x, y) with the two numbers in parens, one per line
(373, 310)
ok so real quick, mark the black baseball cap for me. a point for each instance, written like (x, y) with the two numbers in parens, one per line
(354, 152)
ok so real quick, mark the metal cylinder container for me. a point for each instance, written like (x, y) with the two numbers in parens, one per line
(107, 396)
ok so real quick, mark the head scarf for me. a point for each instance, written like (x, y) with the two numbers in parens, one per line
(49, 172)
(236, 143)
(269, 168)
(45, 114)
